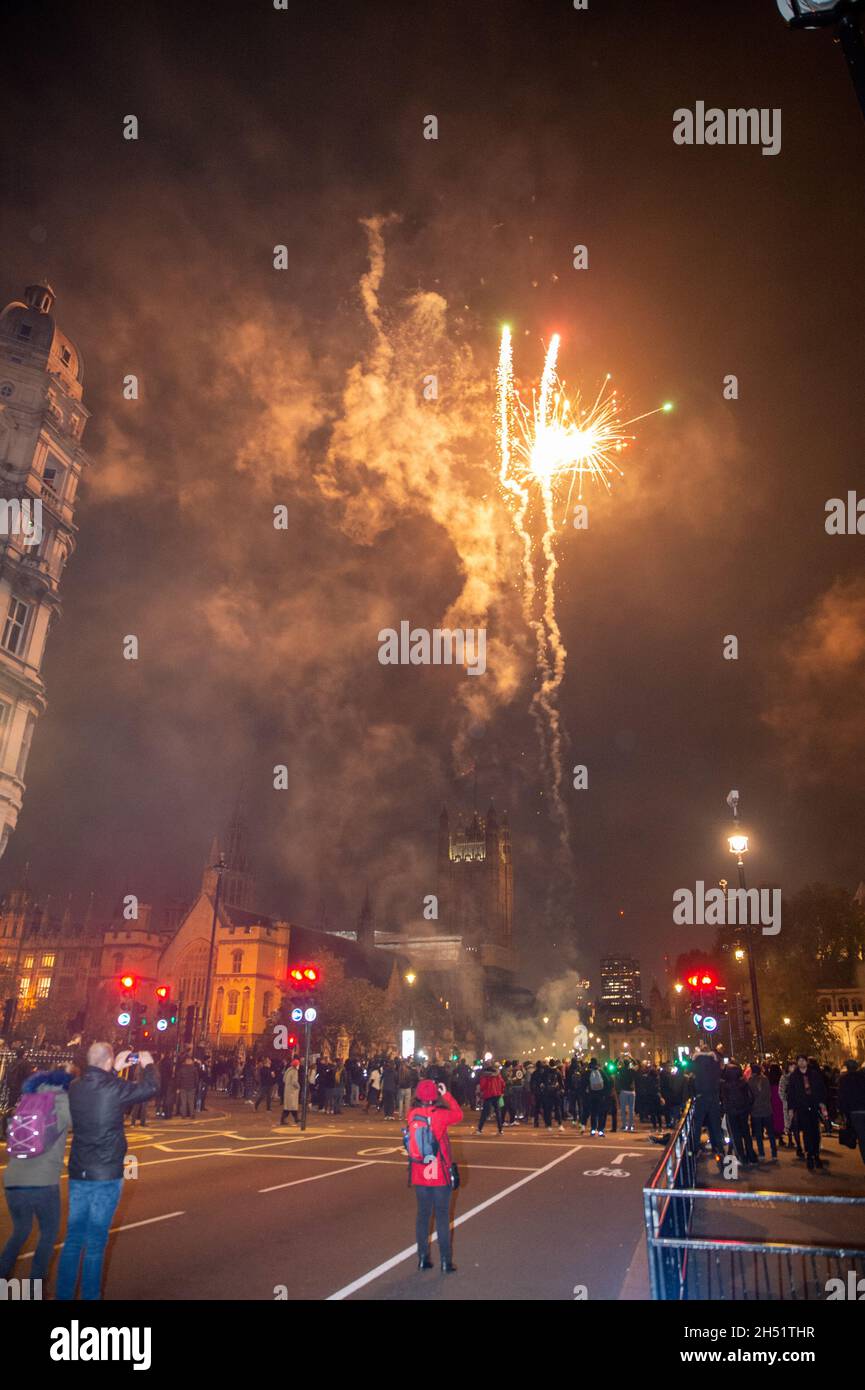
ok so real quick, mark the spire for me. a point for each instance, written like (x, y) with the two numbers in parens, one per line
(366, 922)
(238, 885)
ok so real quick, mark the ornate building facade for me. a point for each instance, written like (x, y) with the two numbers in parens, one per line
(42, 419)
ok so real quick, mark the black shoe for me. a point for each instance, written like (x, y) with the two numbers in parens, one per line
(424, 1262)
(818, 1163)
(448, 1267)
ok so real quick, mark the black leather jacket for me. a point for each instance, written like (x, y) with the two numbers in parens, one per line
(97, 1101)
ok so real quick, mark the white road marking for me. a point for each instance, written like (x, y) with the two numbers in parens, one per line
(619, 1157)
(411, 1250)
(315, 1177)
(115, 1230)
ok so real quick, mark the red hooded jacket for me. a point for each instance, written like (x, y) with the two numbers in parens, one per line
(490, 1084)
(443, 1112)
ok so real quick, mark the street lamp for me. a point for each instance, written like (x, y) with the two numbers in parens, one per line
(738, 842)
(844, 15)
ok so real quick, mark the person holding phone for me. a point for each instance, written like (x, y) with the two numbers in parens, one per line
(97, 1102)
(432, 1171)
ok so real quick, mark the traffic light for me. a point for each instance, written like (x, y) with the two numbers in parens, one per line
(302, 979)
(166, 1011)
(292, 1040)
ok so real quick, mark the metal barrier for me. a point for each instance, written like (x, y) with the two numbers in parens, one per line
(686, 1264)
(39, 1059)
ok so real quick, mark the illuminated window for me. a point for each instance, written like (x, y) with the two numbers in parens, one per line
(47, 960)
(43, 986)
(24, 987)
(28, 962)
(233, 997)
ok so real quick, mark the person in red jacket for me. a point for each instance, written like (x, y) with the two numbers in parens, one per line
(430, 1173)
(492, 1087)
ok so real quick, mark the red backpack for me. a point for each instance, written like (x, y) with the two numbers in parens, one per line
(33, 1126)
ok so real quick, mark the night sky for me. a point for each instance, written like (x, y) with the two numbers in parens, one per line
(260, 387)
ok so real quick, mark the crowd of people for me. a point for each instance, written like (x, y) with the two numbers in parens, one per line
(772, 1106)
(751, 1111)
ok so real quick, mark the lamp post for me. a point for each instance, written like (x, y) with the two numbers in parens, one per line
(410, 978)
(203, 1016)
(844, 16)
(738, 842)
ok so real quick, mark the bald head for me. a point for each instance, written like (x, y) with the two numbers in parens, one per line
(100, 1054)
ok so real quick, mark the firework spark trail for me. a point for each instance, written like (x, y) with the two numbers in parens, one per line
(542, 448)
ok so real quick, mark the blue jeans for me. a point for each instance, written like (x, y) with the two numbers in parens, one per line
(626, 1101)
(91, 1207)
(24, 1203)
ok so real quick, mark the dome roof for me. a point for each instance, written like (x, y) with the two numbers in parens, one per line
(29, 323)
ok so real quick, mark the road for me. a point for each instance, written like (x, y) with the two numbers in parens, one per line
(230, 1206)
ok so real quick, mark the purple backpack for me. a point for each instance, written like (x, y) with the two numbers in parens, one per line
(33, 1127)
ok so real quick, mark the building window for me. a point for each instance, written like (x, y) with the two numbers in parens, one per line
(28, 962)
(233, 997)
(24, 987)
(54, 474)
(43, 986)
(266, 1003)
(843, 1005)
(65, 356)
(244, 1013)
(47, 961)
(236, 962)
(5, 712)
(16, 624)
(856, 1006)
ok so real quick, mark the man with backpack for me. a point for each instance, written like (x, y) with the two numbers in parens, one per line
(597, 1086)
(432, 1172)
(97, 1101)
(36, 1139)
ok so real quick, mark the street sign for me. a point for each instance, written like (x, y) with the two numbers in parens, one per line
(710, 1023)
(124, 1019)
(407, 1049)
(296, 1015)
(162, 1024)
(310, 1015)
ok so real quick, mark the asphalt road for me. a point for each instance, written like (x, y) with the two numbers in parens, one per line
(230, 1206)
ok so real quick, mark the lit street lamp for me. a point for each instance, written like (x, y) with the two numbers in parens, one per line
(738, 842)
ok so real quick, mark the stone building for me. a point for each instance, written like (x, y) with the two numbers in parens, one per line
(42, 419)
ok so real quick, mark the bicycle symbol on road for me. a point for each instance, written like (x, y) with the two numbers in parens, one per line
(605, 1173)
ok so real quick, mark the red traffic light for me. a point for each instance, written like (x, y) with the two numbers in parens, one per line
(128, 982)
(694, 981)
(292, 1040)
(304, 976)
(707, 980)
(163, 991)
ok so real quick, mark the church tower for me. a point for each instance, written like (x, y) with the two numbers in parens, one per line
(42, 419)
(476, 882)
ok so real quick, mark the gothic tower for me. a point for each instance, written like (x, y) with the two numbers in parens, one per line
(475, 881)
(42, 419)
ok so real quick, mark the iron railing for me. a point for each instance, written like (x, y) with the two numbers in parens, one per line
(40, 1059)
(687, 1260)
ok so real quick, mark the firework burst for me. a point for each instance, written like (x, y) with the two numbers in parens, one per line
(546, 450)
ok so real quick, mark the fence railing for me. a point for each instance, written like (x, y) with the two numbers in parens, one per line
(39, 1059)
(688, 1261)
